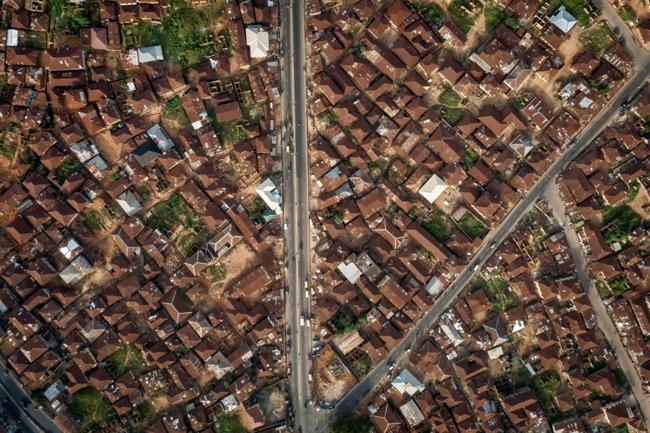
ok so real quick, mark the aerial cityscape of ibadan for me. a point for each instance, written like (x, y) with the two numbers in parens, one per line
(325, 216)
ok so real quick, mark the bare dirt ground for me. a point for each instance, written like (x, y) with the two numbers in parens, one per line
(641, 203)
(332, 378)
(240, 260)
(111, 151)
(273, 403)
(476, 32)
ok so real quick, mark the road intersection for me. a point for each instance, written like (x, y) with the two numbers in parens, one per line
(298, 234)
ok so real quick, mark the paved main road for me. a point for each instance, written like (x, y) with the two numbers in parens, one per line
(296, 180)
(604, 321)
(496, 236)
(31, 418)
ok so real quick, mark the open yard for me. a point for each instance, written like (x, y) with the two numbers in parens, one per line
(126, 359)
(272, 401)
(173, 112)
(546, 385)
(176, 216)
(90, 407)
(463, 13)
(596, 38)
(498, 291)
(184, 33)
(472, 227)
(619, 222)
(449, 98)
(332, 378)
(438, 224)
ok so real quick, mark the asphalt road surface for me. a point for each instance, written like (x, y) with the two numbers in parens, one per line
(31, 418)
(602, 316)
(296, 204)
(495, 237)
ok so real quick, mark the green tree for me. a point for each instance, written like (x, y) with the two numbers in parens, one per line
(230, 424)
(90, 407)
(351, 424)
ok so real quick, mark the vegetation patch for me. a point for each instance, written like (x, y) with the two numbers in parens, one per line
(599, 86)
(469, 159)
(495, 16)
(619, 222)
(452, 115)
(498, 291)
(362, 365)
(618, 285)
(186, 38)
(145, 410)
(257, 209)
(449, 98)
(632, 191)
(546, 385)
(345, 323)
(621, 378)
(225, 42)
(459, 10)
(90, 407)
(173, 211)
(377, 167)
(216, 273)
(68, 167)
(93, 220)
(229, 424)
(627, 13)
(229, 133)
(438, 224)
(431, 12)
(351, 424)
(142, 34)
(327, 117)
(596, 38)
(70, 17)
(173, 110)
(472, 227)
(126, 359)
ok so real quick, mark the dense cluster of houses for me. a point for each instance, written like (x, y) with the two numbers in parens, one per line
(115, 219)
(520, 350)
(406, 182)
(606, 189)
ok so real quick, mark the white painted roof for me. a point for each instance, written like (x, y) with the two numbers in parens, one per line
(407, 383)
(12, 38)
(257, 40)
(350, 271)
(563, 20)
(270, 194)
(129, 204)
(150, 54)
(158, 136)
(432, 189)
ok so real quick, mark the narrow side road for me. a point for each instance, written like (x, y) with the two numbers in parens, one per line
(600, 310)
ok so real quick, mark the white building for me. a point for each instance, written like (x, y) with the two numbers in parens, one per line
(412, 413)
(407, 383)
(432, 189)
(350, 271)
(158, 136)
(563, 20)
(153, 53)
(129, 204)
(270, 194)
(257, 39)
